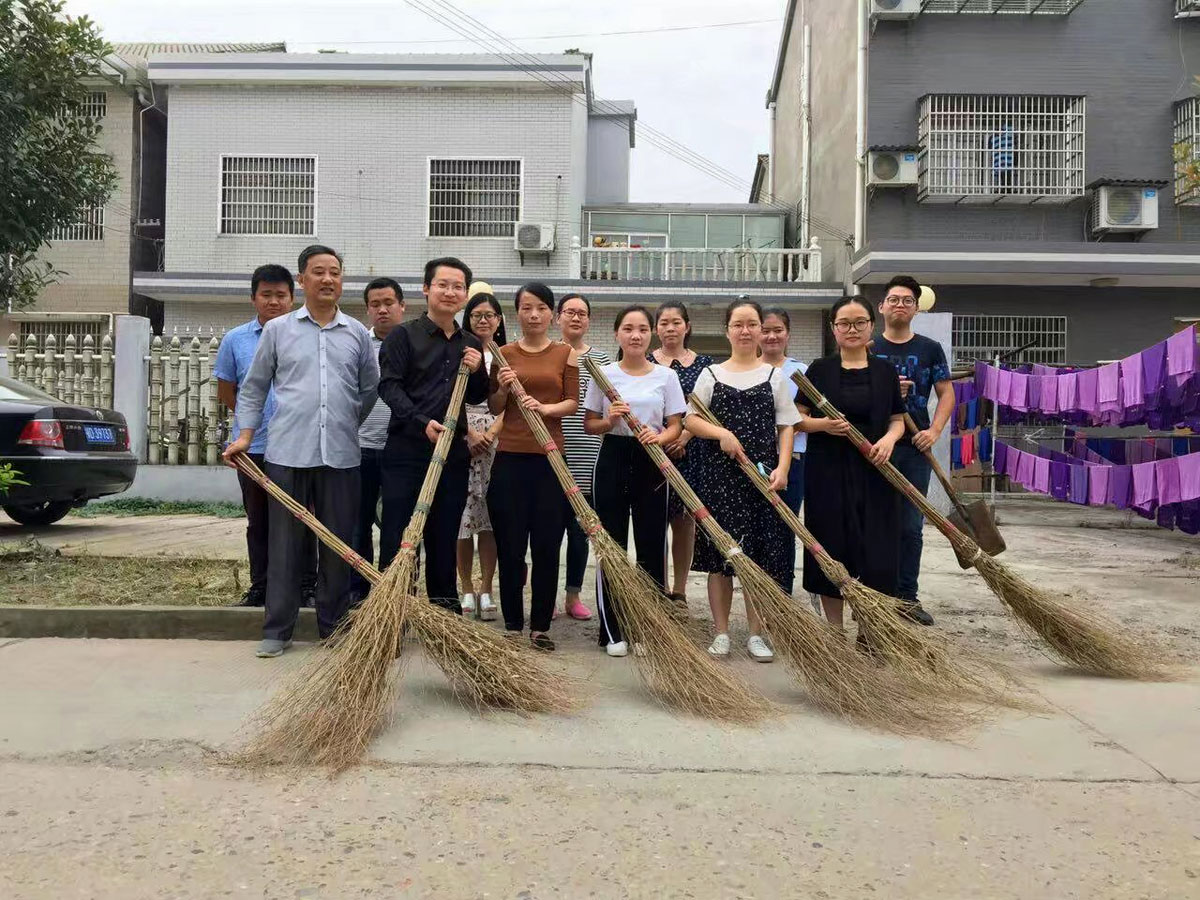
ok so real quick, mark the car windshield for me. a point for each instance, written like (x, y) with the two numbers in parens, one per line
(11, 389)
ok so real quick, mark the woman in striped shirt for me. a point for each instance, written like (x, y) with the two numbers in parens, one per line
(581, 448)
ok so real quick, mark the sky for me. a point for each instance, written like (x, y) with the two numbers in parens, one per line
(703, 87)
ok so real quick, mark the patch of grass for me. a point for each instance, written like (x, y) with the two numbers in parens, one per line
(147, 506)
(34, 575)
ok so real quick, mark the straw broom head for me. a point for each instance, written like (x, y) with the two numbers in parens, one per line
(919, 656)
(1077, 637)
(677, 672)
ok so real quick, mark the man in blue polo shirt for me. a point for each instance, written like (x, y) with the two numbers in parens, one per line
(272, 293)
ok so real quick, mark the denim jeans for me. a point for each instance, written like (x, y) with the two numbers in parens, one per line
(916, 468)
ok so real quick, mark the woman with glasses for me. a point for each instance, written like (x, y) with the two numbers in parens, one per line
(674, 329)
(580, 448)
(848, 506)
(483, 319)
(752, 401)
(525, 500)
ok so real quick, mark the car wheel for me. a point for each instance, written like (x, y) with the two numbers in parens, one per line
(38, 513)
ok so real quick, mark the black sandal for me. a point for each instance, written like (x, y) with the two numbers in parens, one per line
(541, 641)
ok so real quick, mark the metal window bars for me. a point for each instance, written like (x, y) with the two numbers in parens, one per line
(474, 197)
(976, 337)
(1187, 8)
(1003, 7)
(268, 195)
(1186, 151)
(1000, 148)
(93, 106)
(88, 227)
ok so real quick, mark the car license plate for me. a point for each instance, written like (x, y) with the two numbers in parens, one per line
(99, 434)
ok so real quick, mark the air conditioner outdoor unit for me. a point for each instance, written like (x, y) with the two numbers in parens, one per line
(534, 237)
(891, 168)
(896, 9)
(1124, 208)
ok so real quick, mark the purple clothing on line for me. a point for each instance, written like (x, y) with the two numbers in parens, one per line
(1079, 484)
(1068, 392)
(1167, 475)
(1119, 486)
(1099, 479)
(1189, 477)
(1181, 355)
(1089, 383)
(1041, 475)
(1048, 401)
(1060, 480)
(1133, 393)
(1000, 457)
(1143, 486)
(1004, 379)
(1025, 463)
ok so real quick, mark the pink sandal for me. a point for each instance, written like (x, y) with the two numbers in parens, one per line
(576, 610)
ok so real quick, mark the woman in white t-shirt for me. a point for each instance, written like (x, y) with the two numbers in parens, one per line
(752, 401)
(627, 484)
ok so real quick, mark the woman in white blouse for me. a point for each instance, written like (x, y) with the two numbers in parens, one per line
(752, 401)
(627, 483)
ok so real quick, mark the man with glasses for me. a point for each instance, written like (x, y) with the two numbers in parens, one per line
(922, 367)
(418, 363)
(385, 310)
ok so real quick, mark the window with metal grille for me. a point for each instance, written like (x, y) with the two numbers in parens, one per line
(88, 227)
(1187, 150)
(268, 195)
(96, 326)
(1001, 7)
(474, 197)
(982, 337)
(93, 106)
(1000, 148)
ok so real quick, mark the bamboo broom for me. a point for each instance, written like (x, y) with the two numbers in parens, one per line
(678, 672)
(1076, 636)
(917, 654)
(329, 711)
(837, 677)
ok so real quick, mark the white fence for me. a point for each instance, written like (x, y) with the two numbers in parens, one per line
(186, 424)
(697, 264)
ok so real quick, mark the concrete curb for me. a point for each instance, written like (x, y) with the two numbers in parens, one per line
(214, 623)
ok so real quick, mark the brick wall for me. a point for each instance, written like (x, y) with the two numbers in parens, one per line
(373, 146)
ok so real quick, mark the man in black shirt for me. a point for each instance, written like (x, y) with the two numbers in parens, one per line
(921, 363)
(418, 362)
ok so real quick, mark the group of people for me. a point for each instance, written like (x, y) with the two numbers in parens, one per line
(345, 419)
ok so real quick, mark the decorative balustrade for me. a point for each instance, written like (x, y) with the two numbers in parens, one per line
(78, 374)
(703, 265)
(187, 423)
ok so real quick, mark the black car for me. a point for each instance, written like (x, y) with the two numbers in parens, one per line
(67, 454)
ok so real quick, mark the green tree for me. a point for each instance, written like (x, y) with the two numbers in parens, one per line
(50, 166)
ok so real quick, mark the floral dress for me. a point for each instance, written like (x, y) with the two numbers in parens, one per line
(475, 514)
(687, 380)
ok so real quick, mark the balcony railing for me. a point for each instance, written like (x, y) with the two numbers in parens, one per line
(693, 264)
(1187, 8)
(1003, 7)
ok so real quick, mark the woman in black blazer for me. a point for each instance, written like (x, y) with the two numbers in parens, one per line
(848, 506)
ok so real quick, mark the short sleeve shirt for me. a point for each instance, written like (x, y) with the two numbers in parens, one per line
(233, 364)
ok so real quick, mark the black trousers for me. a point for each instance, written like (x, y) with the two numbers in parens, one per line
(370, 484)
(257, 504)
(628, 485)
(332, 495)
(403, 471)
(525, 504)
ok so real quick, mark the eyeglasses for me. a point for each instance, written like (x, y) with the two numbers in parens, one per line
(451, 286)
(574, 314)
(484, 317)
(900, 301)
(857, 325)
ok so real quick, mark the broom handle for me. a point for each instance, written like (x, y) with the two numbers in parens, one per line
(720, 537)
(327, 537)
(938, 471)
(889, 471)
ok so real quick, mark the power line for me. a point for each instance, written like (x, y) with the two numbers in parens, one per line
(549, 37)
(532, 67)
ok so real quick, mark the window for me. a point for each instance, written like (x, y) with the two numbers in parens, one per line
(95, 326)
(474, 197)
(992, 148)
(995, 7)
(1185, 8)
(268, 195)
(1187, 150)
(93, 106)
(88, 227)
(982, 337)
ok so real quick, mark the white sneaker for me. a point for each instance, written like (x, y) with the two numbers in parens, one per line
(468, 603)
(617, 648)
(758, 649)
(720, 645)
(487, 608)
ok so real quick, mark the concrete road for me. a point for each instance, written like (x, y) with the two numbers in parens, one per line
(112, 786)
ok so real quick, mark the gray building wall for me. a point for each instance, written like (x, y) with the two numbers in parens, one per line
(373, 146)
(833, 114)
(1131, 59)
(607, 160)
